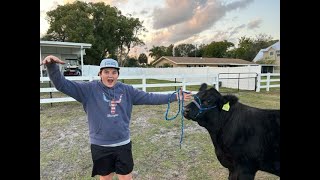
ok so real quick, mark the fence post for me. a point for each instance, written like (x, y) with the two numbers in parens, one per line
(268, 81)
(184, 86)
(258, 82)
(50, 92)
(175, 81)
(144, 83)
(217, 82)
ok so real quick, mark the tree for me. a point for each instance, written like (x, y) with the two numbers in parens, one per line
(105, 20)
(143, 58)
(101, 25)
(169, 50)
(217, 49)
(70, 22)
(184, 50)
(200, 50)
(131, 62)
(157, 52)
(248, 48)
(129, 29)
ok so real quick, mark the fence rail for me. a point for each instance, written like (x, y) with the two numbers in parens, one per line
(213, 80)
(266, 83)
(143, 85)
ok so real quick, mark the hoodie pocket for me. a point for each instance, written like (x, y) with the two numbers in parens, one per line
(111, 129)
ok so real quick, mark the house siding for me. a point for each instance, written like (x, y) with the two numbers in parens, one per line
(272, 54)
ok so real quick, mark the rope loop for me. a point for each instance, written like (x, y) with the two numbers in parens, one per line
(180, 110)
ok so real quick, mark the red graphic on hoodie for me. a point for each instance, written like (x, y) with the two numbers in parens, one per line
(113, 104)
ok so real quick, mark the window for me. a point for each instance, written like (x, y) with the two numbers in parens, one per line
(271, 53)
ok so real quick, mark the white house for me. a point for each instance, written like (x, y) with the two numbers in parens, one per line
(270, 53)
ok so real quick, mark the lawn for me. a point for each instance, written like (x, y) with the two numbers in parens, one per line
(65, 149)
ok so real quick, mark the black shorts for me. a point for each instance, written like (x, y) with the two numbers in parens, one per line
(111, 159)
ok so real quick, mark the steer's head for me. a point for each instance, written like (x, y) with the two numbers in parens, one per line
(204, 101)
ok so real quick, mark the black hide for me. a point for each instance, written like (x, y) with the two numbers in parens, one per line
(246, 139)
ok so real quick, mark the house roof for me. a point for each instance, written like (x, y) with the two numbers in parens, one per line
(200, 60)
(275, 46)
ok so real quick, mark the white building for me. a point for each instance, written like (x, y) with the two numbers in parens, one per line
(67, 51)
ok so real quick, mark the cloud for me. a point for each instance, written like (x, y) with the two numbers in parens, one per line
(113, 2)
(144, 12)
(238, 4)
(174, 12)
(254, 23)
(220, 36)
(237, 29)
(184, 19)
(160, 37)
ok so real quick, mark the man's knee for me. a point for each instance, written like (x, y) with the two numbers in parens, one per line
(125, 177)
(107, 177)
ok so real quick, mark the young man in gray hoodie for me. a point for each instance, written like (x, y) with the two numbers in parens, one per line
(108, 105)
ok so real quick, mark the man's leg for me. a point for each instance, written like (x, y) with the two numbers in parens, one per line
(125, 177)
(107, 177)
(124, 163)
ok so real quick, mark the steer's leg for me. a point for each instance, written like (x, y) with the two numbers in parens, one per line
(245, 173)
(232, 175)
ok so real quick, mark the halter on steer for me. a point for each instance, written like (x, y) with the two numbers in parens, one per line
(200, 107)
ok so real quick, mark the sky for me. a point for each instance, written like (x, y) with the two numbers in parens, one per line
(191, 21)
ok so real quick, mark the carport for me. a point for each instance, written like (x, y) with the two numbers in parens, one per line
(63, 50)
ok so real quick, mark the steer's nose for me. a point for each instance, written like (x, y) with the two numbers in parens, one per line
(186, 112)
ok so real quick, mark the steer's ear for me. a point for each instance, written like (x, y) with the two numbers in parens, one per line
(214, 92)
(228, 100)
(220, 101)
(203, 87)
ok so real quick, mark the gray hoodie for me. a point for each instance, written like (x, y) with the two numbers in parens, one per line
(108, 109)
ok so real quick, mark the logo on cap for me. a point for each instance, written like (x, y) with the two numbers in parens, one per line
(109, 63)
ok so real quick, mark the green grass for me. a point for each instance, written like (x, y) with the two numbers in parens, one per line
(65, 149)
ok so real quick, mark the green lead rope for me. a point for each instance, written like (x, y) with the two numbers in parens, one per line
(180, 110)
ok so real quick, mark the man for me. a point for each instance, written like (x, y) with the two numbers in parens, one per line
(108, 105)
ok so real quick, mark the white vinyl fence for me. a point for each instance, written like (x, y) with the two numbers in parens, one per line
(185, 81)
(178, 81)
(272, 80)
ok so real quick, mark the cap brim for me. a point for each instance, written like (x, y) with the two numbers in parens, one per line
(110, 67)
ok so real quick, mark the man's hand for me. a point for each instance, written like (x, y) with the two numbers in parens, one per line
(51, 59)
(186, 95)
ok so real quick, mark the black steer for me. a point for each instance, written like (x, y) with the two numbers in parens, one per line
(246, 139)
